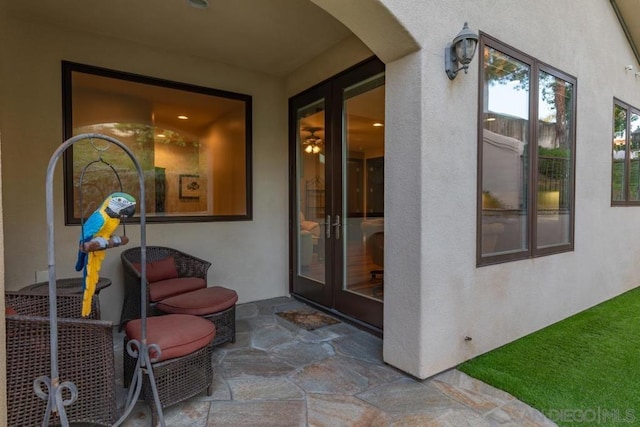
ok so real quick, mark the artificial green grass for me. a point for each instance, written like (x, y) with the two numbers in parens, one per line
(584, 370)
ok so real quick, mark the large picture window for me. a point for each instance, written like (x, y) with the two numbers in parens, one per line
(526, 153)
(625, 168)
(193, 143)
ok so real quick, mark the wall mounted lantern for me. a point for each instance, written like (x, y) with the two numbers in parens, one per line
(461, 50)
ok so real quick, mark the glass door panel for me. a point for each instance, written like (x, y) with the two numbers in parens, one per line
(311, 197)
(363, 188)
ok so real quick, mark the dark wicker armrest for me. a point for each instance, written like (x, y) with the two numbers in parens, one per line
(191, 266)
(34, 304)
(85, 357)
(131, 273)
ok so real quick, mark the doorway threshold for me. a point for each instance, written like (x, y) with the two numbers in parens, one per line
(373, 330)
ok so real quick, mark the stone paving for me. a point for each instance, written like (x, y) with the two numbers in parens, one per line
(277, 374)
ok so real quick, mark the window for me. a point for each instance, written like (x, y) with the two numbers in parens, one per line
(193, 144)
(526, 152)
(625, 168)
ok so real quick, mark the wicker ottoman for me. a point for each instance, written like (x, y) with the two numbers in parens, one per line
(184, 367)
(216, 304)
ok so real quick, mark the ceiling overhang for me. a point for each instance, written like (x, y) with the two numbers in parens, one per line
(629, 16)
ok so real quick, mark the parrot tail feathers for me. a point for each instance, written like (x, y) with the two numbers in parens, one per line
(91, 278)
(82, 260)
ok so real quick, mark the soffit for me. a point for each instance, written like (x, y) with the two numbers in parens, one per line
(270, 36)
(629, 14)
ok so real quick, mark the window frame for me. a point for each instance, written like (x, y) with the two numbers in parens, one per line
(68, 68)
(536, 67)
(627, 163)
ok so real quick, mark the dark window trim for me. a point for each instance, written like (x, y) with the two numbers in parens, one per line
(627, 168)
(68, 67)
(535, 67)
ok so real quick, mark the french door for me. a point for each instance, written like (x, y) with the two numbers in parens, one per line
(337, 193)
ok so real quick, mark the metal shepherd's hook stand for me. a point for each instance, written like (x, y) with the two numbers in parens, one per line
(50, 388)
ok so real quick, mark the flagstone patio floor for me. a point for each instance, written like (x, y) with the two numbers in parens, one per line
(277, 374)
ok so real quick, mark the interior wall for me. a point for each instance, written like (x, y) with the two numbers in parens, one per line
(226, 143)
(32, 130)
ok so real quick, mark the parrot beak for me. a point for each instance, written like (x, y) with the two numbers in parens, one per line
(129, 211)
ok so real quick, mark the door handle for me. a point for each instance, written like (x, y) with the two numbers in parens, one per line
(337, 226)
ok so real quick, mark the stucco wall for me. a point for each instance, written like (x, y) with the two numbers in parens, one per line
(248, 256)
(435, 295)
(444, 297)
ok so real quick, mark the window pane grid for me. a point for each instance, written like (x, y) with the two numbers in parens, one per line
(505, 165)
(625, 167)
(526, 191)
(555, 138)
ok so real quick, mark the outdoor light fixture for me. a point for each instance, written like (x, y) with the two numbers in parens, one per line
(461, 50)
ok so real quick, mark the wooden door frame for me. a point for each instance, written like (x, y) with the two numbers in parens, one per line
(335, 299)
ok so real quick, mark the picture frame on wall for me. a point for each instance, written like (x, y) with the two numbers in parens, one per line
(190, 187)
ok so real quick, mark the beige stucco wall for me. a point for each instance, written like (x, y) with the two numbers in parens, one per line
(434, 294)
(248, 256)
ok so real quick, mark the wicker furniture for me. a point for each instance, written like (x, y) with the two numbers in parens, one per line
(70, 286)
(190, 272)
(216, 304)
(184, 367)
(85, 358)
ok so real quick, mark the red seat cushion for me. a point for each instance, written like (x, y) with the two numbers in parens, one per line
(162, 269)
(168, 288)
(201, 302)
(176, 334)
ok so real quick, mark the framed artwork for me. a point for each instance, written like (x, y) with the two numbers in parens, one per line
(190, 187)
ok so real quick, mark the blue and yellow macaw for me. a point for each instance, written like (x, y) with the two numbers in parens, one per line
(99, 226)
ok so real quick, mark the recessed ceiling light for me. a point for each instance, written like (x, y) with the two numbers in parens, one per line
(198, 4)
(160, 135)
(378, 124)
(183, 117)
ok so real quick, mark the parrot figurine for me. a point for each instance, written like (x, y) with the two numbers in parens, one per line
(99, 227)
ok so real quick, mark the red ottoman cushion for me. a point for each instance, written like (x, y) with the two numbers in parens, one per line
(176, 334)
(201, 302)
(168, 288)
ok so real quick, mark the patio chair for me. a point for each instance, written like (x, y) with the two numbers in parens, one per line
(177, 284)
(85, 357)
(170, 272)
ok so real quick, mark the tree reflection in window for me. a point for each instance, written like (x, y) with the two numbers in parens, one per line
(173, 129)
